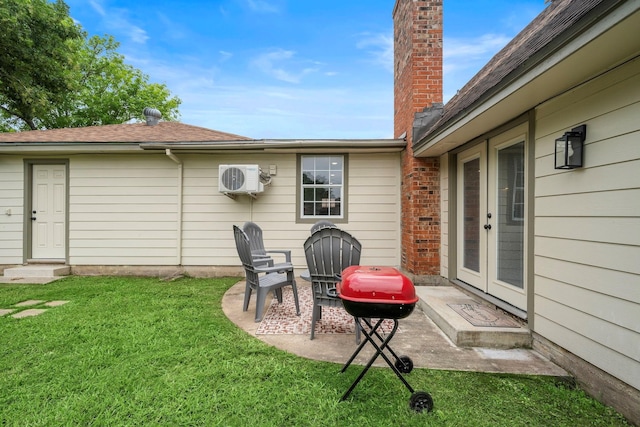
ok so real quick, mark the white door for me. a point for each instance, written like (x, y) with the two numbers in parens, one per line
(472, 214)
(491, 218)
(48, 215)
(506, 236)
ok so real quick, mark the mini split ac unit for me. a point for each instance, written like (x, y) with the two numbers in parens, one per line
(239, 179)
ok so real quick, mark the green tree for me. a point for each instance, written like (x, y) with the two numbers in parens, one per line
(109, 91)
(54, 76)
(37, 60)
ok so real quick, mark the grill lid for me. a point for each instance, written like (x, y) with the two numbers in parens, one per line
(380, 285)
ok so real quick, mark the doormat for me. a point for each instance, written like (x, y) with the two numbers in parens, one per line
(483, 316)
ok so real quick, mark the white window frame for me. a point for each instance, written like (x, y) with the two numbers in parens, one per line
(338, 186)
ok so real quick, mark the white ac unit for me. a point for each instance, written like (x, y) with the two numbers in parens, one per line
(239, 179)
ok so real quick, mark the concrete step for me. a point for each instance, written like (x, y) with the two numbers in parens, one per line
(37, 270)
(469, 322)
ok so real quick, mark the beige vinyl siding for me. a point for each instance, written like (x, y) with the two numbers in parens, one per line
(11, 200)
(373, 195)
(374, 207)
(209, 215)
(122, 210)
(587, 225)
(444, 215)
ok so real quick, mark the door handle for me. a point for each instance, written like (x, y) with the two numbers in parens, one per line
(487, 226)
(33, 218)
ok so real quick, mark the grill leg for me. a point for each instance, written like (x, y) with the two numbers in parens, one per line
(374, 331)
(362, 343)
(379, 351)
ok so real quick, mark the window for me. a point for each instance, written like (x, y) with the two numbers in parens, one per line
(322, 186)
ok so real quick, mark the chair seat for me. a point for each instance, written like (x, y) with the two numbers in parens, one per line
(273, 279)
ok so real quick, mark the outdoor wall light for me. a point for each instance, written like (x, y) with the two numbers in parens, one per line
(569, 148)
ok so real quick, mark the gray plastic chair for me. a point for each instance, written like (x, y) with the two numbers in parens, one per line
(328, 251)
(260, 255)
(321, 224)
(263, 278)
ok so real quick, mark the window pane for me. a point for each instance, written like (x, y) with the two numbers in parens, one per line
(307, 177)
(322, 163)
(322, 177)
(308, 163)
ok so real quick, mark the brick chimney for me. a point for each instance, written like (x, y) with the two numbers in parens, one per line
(418, 86)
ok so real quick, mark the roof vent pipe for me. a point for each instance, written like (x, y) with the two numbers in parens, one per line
(152, 115)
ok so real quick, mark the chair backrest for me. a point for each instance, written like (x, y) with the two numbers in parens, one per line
(254, 233)
(328, 251)
(244, 252)
(321, 224)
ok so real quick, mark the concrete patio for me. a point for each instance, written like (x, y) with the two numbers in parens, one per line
(418, 337)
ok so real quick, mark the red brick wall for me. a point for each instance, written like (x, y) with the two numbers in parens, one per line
(418, 84)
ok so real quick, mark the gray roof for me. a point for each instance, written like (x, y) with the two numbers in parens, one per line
(136, 132)
(554, 27)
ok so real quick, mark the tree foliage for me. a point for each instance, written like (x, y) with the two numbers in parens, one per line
(52, 75)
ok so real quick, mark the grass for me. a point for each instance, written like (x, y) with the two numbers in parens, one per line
(140, 351)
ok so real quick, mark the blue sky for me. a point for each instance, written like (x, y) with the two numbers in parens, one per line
(291, 68)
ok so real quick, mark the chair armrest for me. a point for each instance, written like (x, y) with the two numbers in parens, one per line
(278, 268)
(285, 252)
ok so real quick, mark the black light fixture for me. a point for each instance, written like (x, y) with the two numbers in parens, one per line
(569, 148)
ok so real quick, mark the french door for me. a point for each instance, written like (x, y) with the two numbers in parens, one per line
(491, 218)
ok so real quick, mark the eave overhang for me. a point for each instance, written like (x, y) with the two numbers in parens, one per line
(231, 146)
(598, 45)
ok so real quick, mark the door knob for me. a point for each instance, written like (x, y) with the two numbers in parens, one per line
(487, 226)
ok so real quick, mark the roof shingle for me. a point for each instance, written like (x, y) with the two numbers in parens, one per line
(136, 132)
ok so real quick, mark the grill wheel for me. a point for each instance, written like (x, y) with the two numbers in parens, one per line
(404, 364)
(421, 401)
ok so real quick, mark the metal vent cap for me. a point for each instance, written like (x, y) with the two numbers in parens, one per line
(152, 115)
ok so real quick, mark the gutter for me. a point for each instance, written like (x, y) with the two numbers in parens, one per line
(285, 145)
(180, 204)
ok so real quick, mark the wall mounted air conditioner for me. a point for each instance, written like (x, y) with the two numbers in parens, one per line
(239, 179)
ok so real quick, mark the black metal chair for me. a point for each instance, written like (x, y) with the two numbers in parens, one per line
(263, 278)
(328, 251)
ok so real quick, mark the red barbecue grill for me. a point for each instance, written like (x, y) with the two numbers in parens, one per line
(381, 293)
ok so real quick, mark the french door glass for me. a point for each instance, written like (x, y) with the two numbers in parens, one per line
(510, 215)
(471, 207)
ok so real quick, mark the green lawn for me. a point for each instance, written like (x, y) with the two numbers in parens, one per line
(140, 351)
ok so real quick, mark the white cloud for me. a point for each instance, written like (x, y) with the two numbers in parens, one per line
(272, 64)
(262, 6)
(463, 49)
(117, 20)
(463, 58)
(380, 47)
(224, 55)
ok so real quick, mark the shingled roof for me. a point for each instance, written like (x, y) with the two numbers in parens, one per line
(136, 132)
(516, 57)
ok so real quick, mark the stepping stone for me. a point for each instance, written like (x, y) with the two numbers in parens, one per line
(28, 313)
(5, 311)
(29, 302)
(55, 303)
